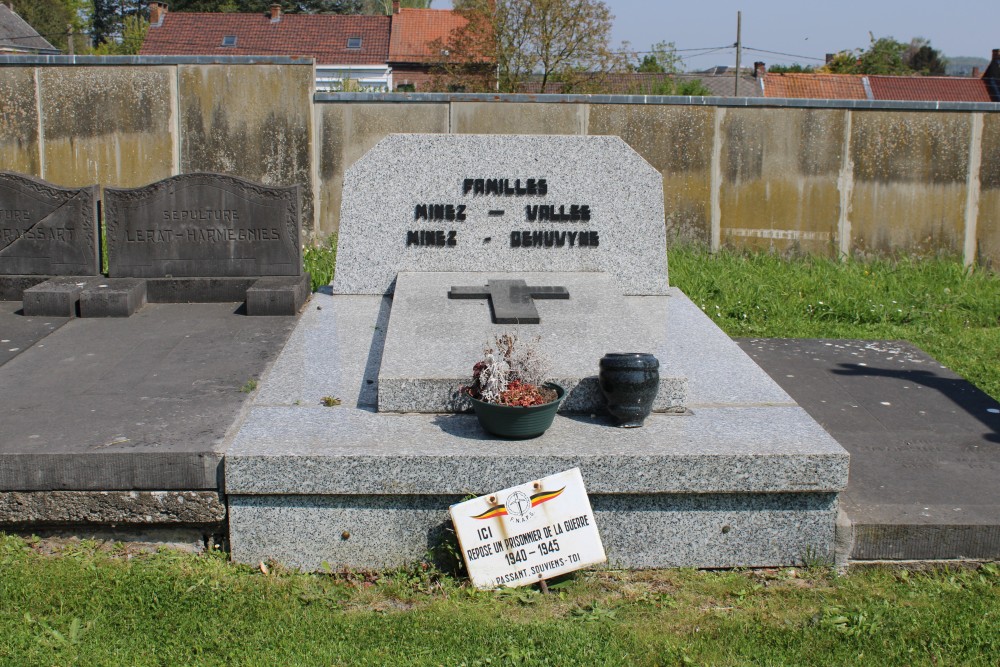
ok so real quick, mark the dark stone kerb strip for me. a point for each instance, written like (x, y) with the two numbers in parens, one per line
(668, 100)
(103, 61)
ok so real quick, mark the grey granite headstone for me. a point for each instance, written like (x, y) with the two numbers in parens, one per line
(46, 229)
(477, 203)
(203, 225)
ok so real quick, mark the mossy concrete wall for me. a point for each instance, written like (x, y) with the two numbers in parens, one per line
(130, 121)
(827, 177)
(988, 227)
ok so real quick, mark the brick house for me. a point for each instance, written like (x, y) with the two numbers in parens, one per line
(414, 60)
(347, 48)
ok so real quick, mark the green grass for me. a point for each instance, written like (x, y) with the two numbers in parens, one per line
(106, 606)
(951, 313)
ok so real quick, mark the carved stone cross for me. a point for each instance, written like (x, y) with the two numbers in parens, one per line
(512, 300)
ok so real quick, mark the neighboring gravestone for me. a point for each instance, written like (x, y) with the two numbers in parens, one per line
(45, 230)
(203, 225)
(210, 237)
(501, 204)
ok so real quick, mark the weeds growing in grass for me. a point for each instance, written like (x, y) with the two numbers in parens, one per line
(320, 261)
(937, 304)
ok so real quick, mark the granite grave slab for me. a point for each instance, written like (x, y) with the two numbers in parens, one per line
(734, 473)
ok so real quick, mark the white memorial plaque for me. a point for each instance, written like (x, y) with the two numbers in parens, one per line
(528, 533)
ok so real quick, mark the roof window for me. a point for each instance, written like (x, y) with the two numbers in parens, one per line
(229, 40)
(354, 42)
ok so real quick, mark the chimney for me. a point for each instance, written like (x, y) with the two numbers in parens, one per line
(976, 73)
(275, 12)
(759, 69)
(395, 6)
(830, 57)
(157, 10)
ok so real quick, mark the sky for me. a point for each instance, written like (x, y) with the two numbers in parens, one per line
(808, 30)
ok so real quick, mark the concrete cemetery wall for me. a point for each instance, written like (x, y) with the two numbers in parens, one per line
(821, 176)
(128, 121)
(825, 177)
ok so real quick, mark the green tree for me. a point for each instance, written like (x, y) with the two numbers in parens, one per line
(661, 58)
(563, 41)
(50, 19)
(109, 18)
(794, 68)
(134, 29)
(883, 56)
(922, 58)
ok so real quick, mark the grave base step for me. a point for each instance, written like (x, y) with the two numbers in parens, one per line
(113, 297)
(278, 295)
(56, 297)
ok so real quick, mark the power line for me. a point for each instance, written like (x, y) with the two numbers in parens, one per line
(779, 53)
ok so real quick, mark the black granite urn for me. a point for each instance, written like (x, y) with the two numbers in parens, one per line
(629, 382)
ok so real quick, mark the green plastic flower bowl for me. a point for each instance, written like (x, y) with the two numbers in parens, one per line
(518, 423)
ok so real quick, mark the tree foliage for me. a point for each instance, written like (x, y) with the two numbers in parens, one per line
(134, 29)
(885, 55)
(662, 58)
(924, 59)
(563, 41)
(794, 68)
(52, 18)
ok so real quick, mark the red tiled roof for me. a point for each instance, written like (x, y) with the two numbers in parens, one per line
(414, 29)
(815, 86)
(321, 36)
(938, 88)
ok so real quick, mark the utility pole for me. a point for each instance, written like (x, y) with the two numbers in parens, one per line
(739, 45)
(69, 38)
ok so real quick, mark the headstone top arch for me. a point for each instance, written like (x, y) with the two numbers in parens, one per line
(477, 203)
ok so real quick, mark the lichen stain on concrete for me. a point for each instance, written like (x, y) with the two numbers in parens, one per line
(916, 218)
(250, 121)
(123, 159)
(686, 200)
(780, 170)
(18, 121)
(348, 131)
(85, 102)
(107, 125)
(988, 224)
(910, 147)
(677, 141)
(516, 118)
(803, 208)
(672, 139)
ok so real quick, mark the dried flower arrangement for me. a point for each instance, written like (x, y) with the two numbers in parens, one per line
(511, 373)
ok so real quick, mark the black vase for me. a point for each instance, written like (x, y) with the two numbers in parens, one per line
(629, 382)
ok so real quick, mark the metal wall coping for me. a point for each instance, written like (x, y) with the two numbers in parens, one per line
(9, 61)
(677, 100)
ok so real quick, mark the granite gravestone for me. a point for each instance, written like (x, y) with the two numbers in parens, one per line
(744, 477)
(210, 237)
(482, 231)
(501, 203)
(45, 230)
